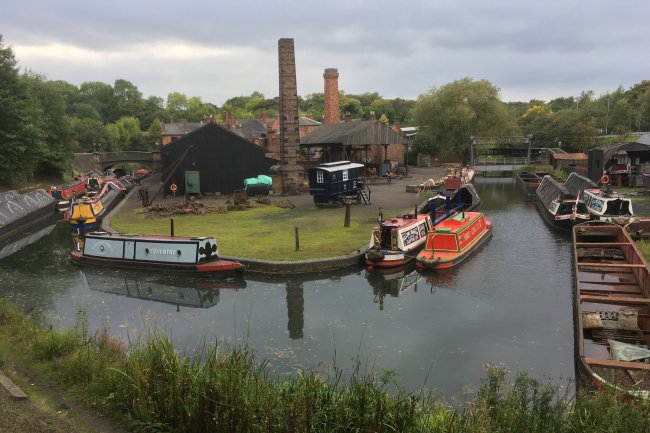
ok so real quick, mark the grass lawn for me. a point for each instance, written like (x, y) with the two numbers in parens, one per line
(266, 231)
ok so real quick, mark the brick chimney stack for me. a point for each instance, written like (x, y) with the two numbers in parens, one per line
(289, 126)
(331, 104)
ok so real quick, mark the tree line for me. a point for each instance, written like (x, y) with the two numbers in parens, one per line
(43, 122)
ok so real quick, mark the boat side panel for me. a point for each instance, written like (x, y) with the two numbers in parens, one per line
(107, 248)
(166, 252)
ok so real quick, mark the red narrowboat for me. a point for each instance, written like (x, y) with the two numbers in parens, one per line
(452, 240)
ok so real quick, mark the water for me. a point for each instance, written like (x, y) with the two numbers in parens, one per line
(510, 303)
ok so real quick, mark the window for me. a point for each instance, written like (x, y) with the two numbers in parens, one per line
(345, 175)
(319, 176)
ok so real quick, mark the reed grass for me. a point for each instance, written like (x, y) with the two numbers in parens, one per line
(152, 387)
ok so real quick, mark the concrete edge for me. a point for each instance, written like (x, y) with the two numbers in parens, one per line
(11, 387)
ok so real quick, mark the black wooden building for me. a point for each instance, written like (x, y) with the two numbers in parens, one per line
(211, 159)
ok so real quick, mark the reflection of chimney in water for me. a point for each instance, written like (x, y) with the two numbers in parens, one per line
(295, 309)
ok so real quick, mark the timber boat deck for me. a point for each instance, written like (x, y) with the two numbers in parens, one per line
(612, 306)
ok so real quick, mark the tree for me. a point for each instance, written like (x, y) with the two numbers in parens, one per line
(154, 134)
(128, 130)
(177, 105)
(128, 99)
(101, 97)
(21, 141)
(461, 109)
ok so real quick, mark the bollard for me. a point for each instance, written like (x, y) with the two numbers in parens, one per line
(297, 239)
(346, 222)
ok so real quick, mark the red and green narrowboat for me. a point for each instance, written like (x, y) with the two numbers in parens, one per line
(452, 240)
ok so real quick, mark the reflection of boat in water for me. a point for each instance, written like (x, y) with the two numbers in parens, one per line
(171, 289)
(392, 282)
(29, 238)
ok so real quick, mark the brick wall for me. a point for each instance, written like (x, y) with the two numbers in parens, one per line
(331, 97)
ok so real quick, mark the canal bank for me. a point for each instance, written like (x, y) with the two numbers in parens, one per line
(398, 194)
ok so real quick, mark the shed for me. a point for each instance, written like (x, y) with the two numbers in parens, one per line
(629, 159)
(211, 159)
(367, 141)
(570, 161)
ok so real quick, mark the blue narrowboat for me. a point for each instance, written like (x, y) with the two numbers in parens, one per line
(339, 181)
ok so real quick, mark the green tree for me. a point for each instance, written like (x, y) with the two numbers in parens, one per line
(453, 113)
(90, 135)
(128, 99)
(312, 104)
(154, 134)
(128, 130)
(101, 97)
(177, 106)
(21, 141)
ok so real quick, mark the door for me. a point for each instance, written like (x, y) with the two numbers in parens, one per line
(192, 183)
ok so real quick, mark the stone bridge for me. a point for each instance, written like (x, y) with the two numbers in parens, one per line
(105, 160)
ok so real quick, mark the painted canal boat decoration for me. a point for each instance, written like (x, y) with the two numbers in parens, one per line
(559, 207)
(452, 240)
(612, 309)
(169, 253)
(85, 214)
(396, 241)
(69, 190)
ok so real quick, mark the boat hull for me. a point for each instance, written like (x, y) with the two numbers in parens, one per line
(611, 308)
(453, 240)
(177, 254)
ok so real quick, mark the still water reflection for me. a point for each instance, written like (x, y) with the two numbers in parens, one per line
(510, 303)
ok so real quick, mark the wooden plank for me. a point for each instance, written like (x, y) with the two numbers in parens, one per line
(612, 363)
(9, 385)
(632, 290)
(614, 299)
(600, 244)
(612, 265)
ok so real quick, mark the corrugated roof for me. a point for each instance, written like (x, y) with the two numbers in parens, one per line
(570, 156)
(644, 139)
(179, 128)
(360, 133)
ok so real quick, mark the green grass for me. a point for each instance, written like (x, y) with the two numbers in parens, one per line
(153, 387)
(267, 231)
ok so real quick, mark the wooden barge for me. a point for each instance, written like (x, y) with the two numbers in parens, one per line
(528, 182)
(612, 309)
(167, 253)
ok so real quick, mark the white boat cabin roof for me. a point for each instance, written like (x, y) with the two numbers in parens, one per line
(339, 165)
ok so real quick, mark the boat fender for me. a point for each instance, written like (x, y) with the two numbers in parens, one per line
(604, 180)
(375, 255)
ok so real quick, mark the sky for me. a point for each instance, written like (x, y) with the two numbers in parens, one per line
(221, 49)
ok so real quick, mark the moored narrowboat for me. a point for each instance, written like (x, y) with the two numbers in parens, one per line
(395, 242)
(68, 190)
(169, 253)
(85, 215)
(528, 181)
(452, 240)
(612, 308)
(559, 207)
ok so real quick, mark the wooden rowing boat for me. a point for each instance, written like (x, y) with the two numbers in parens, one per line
(612, 308)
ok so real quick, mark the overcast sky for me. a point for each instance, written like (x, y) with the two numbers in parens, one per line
(220, 49)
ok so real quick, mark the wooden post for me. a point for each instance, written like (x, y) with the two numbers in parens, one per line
(346, 222)
(171, 221)
(297, 239)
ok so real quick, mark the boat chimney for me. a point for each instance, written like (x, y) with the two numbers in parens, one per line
(415, 211)
(171, 223)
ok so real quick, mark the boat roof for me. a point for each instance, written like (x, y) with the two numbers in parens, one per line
(405, 220)
(143, 237)
(455, 222)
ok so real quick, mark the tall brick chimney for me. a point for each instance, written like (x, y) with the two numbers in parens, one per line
(331, 104)
(289, 133)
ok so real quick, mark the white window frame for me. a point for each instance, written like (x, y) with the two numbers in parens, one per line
(345, 175)
(319, 176)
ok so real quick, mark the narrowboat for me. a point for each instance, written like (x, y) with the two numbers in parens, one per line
(395, 242)
(19, 211)
(454, 239)
(528, 182)
(68, 190)
(465, 198)
(612, 309)
(338, 182)
(602, 203)
(558, 206)
(167, 253)
(85, 214)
